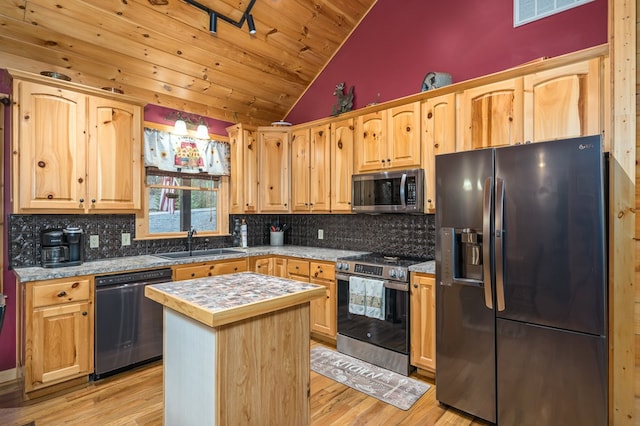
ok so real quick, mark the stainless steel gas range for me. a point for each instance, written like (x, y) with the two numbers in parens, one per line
(373, 309)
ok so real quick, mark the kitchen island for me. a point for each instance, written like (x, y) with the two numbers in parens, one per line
(236, 349)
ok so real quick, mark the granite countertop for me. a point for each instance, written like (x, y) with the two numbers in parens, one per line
(428, 267)
(223, 299)
(131, 263)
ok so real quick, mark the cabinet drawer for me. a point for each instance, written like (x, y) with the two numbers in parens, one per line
(209, 269)
(61, 292)
(298, 267)
(323, 270)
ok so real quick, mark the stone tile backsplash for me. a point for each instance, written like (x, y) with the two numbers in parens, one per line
(392, 234)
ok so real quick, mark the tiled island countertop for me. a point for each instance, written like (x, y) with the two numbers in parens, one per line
(229, 341)
(223, 299)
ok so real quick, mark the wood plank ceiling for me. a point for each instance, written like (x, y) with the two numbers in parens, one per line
(161, 51)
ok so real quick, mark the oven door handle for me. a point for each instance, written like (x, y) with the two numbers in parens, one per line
(393, 285)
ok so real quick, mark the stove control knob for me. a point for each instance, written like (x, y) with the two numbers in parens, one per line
(392, 273)
(345, 266)
(338, 265)
(401, 274)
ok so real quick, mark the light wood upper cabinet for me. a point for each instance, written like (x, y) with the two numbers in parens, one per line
(75, 152)
(59, 321)
(50, 147)
(244, 164)
(300, 160)
(423, 321)
(273, 170)
(388, 139)
(403, 142)
(310, 156)
(439, 125)
(369, 151)
(114, 177)
(342, 134)
(492, 115)
(563, 102)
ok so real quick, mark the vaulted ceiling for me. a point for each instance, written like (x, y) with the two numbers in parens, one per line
(162, 51)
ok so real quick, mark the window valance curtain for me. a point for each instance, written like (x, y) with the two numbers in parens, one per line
(185, 154)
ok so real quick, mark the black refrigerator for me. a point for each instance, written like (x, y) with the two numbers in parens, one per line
(521, 294)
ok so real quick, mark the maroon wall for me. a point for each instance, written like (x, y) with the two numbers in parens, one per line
(163, 115)
(8, 332)
(399, 42)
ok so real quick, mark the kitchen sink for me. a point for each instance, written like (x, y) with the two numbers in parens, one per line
(197, 253)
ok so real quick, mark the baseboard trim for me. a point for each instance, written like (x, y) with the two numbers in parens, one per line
(8, 375)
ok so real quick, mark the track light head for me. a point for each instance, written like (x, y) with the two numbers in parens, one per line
(213, 23)
(251, 24)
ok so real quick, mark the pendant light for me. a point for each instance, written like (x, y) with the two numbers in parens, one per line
(202, 132)
(180, 128)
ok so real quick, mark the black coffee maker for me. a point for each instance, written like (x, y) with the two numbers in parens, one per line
(62, 247)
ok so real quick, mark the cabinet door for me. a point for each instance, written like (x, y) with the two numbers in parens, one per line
(439, 124)
(319, 171)
(262, 265)
(369, 152)
(423, 321)
(273, 181)
(342, 133)
(279, 267)
(50, 144)
(323, 310)
(493, 114)
(115, 143)
(236, 180)
(563, 102)
(300, 161)
(403, 137)
(250, 171)
(61, 345)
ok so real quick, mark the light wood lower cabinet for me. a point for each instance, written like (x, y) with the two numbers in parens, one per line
(58, 332)
(324, 320)
(209, 269)
(298, 270)
(423, 321)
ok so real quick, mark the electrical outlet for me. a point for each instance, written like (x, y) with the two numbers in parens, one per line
(126, 239)
(94, 242)
(320, 234)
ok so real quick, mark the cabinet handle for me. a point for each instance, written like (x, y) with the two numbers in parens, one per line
(62, 293)
(93, 201)
(430, 114)
(436, 145)
(388, 160)
(41, 163)
(235, 269)
(84, 313)
(26, 117)
(81, 200)
(415, 286)
(339, 144)
(193, 274)
(50, 196)
(382, 161)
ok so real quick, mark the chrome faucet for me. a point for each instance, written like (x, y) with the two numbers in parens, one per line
(190, 233)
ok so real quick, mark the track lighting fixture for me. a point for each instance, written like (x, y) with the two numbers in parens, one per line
(213, 23)
(251, 24)
(213, 17)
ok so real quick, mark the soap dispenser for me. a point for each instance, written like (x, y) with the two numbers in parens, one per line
(243, 233)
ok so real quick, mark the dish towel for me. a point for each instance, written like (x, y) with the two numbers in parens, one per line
(374, 298)
(356, 295)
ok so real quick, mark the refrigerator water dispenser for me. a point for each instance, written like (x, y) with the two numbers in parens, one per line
(461, 256)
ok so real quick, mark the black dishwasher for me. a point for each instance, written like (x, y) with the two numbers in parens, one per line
(128, 325)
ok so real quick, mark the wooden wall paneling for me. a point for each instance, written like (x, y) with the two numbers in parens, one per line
(622, 44)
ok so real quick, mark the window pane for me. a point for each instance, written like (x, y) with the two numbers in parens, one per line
(175, 210)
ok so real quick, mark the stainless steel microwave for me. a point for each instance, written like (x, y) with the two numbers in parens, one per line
(398, 191)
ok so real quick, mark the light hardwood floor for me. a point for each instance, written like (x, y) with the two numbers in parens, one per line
(135, 398)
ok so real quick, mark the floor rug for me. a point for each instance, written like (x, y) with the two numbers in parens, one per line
(387, 386)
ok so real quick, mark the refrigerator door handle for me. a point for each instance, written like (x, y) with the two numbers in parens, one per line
(403, 184)
(499, 244)
(487, 196)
